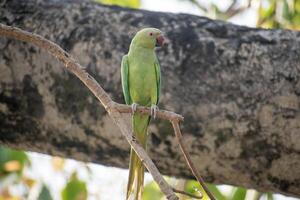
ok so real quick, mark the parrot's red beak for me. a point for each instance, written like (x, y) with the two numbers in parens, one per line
(160, 41)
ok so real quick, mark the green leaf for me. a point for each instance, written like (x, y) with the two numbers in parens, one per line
(45, 194)
(75, 189)
(192, 186)
(152, 191)
(238, 193)
(124, 3)
(297, 6)
(216, 192)
(296, 19)
(286, 12)
(12, 161)
(269, 12)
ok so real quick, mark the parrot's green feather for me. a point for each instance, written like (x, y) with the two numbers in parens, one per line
(158, 77)
(124, 76)
(140, 73)
(136, 169)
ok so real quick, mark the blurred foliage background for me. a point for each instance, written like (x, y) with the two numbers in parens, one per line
(124, 3)
(270, 14)
(15, 185)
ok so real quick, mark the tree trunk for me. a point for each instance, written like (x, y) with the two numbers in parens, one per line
(237, 87)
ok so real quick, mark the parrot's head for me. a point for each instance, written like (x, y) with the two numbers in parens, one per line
(149, 38)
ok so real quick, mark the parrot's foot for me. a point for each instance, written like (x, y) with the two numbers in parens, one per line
(133, 107)
(154, 109)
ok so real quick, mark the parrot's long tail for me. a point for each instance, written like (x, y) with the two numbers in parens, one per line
(136, 169)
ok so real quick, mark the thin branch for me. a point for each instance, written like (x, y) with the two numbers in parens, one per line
(187, 194)
(188, 158)
(232, 11)
(98, 91)
(232, 5)
(162, 114)
(199, 5)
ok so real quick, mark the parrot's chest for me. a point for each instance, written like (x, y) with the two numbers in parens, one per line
(142, 76)
(142, 81)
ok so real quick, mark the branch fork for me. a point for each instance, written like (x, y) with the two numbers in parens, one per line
(114, 109)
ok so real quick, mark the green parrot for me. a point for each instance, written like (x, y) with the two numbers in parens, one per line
(140, 72)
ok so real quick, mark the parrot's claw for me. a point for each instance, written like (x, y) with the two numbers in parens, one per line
(154, 109)
(133, 107)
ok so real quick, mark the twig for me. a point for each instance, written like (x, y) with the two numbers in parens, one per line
(188, 159)
(98, 91)
(200, 6)
(187, 194)
(232, 11)
(162, 114)
(232, 5)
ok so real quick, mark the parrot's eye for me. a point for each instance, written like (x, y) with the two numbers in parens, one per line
(151, 34)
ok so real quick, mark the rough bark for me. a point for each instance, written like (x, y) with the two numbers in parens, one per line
(237, 87)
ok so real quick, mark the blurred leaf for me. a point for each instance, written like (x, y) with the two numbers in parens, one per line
(75, 189)
(152, 191)
(58, 163)
(270, 196)
(296, 18)
(124, 3)
(45, 194)
(216, 192)
(279, 14)
(238, 193)
(297, 6)
(286, 12)
(271, 13)
(195, 188)
(12, 161)
(28, 181)
(266, 13)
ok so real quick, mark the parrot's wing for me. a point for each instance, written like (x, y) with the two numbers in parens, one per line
(158, 77)
(125, 81)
